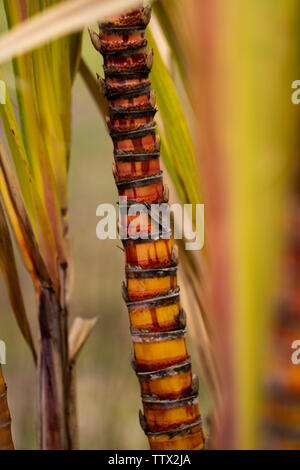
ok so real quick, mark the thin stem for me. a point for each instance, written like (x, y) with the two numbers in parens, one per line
(72, 420)
(52, 378)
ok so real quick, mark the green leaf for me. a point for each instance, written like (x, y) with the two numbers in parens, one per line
(43, 133)
(168, 13)
(18, 153)
(50, 123)
(182, 159)
(20, 221)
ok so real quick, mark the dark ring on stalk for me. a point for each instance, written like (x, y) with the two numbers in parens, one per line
(133, 113)
(120, 29)
(137, 157)
(129, 202)
(154, 237)
(187, 429)
(134, 92)
(114, 71)
(148, 209)
(139, 183)
(3, 396)
(172, 295)
(132, 74)
(150, 337)
(167, 404)
(142, 131)
(277, 393)
(120, 109)
(6, 424)
(286, 315)
(126, 52)
(138, 273)
(281, 431)
(105, 49)
(184, 366)
(106, 26)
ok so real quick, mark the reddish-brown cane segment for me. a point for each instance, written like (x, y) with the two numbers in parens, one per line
(171, 415)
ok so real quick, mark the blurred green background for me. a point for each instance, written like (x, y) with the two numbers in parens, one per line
(108, 391)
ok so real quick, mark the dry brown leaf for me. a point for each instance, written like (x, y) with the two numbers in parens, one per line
(80, 331)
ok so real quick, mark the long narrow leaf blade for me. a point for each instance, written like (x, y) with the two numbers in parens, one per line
(10, 275)
(177, 132)
(18, 152)
(169, 14)
(19, 218)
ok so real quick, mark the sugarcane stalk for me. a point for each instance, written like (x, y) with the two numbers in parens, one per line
(72, 416)
(281, 405)
(171, 417)
(52, 372)
(6, 441)
(58, 354)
